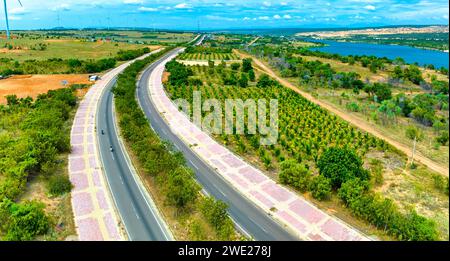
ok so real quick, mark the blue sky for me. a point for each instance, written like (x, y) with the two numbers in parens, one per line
(215, 14)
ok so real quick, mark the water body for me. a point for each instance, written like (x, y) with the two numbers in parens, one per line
(409, 54)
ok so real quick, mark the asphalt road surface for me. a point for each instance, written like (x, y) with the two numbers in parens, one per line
(250, 219)
(139, 216)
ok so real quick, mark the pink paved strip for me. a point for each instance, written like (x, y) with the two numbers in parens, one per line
(305, 220)
(95, 216)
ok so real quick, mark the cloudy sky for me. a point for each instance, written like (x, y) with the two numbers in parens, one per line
(214, 14)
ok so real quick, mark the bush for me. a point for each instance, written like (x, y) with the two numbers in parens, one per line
(320, 187)
(384, 214)
(341, 165)
(295, 174)
(264, 81)
(235, 66)
(21, 222)
(414, 133)
(443, 138)
(215, 212)
(59, 185)
(181, 187)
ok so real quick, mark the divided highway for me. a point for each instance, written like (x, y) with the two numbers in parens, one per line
(252, 220)
(137, 211)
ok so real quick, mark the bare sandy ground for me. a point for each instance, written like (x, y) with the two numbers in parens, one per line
(33, 85)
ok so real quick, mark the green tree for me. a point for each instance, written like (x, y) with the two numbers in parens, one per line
(264, 81)
(251, 75)
(382, 91)
(235, 66)
(243, 81)
(340, 165)
(247, 65)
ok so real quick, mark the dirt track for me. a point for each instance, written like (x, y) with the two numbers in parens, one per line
(361, 124)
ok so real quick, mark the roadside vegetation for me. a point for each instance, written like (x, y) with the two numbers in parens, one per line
(322, 156)
(190, 215)
(34, 184)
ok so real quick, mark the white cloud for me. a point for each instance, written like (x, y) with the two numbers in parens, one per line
(265, 18)
(15, 18)
(220, 18)
(246, 18)
(277, 16)
(61, 7)
(133, 2)
(266, 3)
(286, 16)
(147, 9)
(370, 7)
(182, 6)
(18, 11)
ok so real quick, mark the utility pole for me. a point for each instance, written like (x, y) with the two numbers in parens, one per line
(414, 150)
(58, 19)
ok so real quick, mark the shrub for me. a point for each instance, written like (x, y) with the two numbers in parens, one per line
(414, 133)
(21, 222)
(353, 106)
(295, 174)
(443, 138)
(215, 212)
(383, 213)
(59, 185)
(235, 66)
(181, 187)
(264, 81)
(320, 187)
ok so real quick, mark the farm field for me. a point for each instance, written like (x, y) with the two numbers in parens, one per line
(32, 85)
(303, 138)
(209, 57)
(42, 49)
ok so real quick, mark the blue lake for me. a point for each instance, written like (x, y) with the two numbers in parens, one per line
(409, 54)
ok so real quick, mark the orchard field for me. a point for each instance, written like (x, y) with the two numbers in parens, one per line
(306, 132)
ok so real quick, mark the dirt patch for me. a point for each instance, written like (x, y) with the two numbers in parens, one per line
(6, 50)
(33, 85)
(60, 40)
(165, 77)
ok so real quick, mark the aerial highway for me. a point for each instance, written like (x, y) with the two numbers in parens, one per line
(137, 211)
(251, 220)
